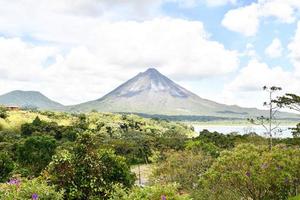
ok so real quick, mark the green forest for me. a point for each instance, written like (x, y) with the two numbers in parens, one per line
(53, 155)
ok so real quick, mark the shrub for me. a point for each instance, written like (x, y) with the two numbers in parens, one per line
(88, 172)
(39, 127)
(206, 147)
(3, 112)
(218, 139)
(36, 153)
(251, 172)
(156, 192)
(6, 166)
(183, 167)
(22, 189)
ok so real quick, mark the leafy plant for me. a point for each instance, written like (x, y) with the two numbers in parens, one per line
(88, 172)
(24, 189)
(183, 167)
(35, 153)
(155, 192)
(3, 112)
(6, 166)
(252, 172)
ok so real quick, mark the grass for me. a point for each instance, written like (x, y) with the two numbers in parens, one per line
(295, 198)
(16, 118)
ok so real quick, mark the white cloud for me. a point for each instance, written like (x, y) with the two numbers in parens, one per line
(256, 74)
(246, 19)
(21, 61)
(22, 11)
(294, 48)
(274, 50)
(71, 78)
(282, 10)
(245, 89)
(99, 50)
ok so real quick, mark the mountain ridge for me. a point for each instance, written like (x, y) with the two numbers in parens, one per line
(151, 92)
(148, 92)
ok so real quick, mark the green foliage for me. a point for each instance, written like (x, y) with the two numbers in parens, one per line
(24, 189)
(39, 127)
(206, 147)
(35, 153)
(291, 142)
(92, 152)
(220, 140)
(214, 142)
(183, 167)
(3, 112)
(82, 122)
(155, 192)
(291, 101)
(88, 172)
(6, 166)
(295, 198)
(135, 146)
(173, 138)
(296, 131)
(251, 172)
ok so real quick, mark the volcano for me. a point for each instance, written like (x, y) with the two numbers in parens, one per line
(151, 92)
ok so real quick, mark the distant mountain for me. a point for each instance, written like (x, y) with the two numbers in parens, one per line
(30, 99)
(151, 92)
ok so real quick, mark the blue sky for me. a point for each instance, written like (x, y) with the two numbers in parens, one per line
(223, 50)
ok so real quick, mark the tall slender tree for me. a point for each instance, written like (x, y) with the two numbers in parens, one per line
(270, 124)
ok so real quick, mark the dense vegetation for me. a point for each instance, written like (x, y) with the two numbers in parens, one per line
(51, 155)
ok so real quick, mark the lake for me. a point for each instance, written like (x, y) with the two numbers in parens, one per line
(243, 129)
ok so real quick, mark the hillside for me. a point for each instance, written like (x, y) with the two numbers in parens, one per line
(151, 92)
(29, 99)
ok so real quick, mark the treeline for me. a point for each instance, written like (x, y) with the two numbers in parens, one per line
(189, 118)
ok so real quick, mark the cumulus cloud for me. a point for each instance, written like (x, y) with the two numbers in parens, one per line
(76, 51)
(257, 74)
(246, 19)
(245, 88)
(294, 50)
(95, 58)
(108, 9)
(274, 50)
(21, 61)
(69, 78)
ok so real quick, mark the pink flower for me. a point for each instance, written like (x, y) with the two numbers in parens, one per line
(14, 181)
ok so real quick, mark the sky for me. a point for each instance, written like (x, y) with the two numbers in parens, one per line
(78, 50)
